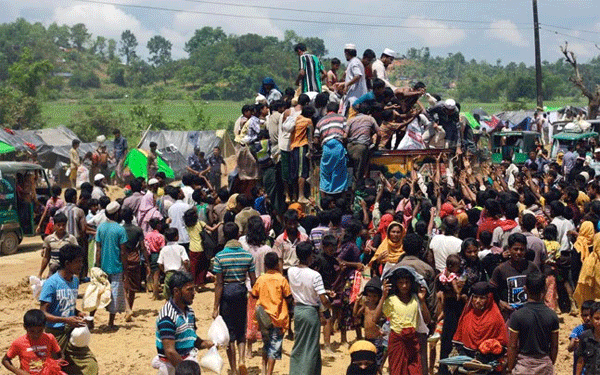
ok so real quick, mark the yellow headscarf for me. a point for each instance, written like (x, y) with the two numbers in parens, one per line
(232, 202)
(588, 285)
(394, 249)
(585, 239)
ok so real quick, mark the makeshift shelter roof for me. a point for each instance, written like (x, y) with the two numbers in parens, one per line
(60, 136)
(480, 112)
(470, 119)
(22, 140)
(5, 148)
(137, 161)
(186, 141)
(515, 117)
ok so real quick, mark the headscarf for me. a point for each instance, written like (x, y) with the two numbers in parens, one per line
(588, 285)
(384, 223)
(446, 209)
(147, 211)
(267, 81)
(298, 208)
(394, 249)
(232, 202)
(360, 351)
(585, 238)
(475, 326)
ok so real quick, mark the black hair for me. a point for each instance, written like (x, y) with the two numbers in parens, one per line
(154, 222)
(171, 234)
(528, 222)
(421, 85)
(136, 185)
(92, 202)
(323, 217)
(104, 201)
(412, 244)
(70, 195)
(387, 115)
(178, 280)
(127, 215)
(557, 208)
(187, 179)
(321, 100)
(351, 52)
(303, 251)
(517, 238)
(258, 107)
(453, 260)
(378, 84)
(243, 200)
(405, 191)
(116, 131)
(276, 105)
(300, 47)
(60, 218)
(271, 260)
(56, 191)
(187, 368)
(231, 231)
(587, 305)
(335, 61)
(550, 233)
(329, 240)
(420, 228)
(492, 207)
(247, 107)
(34, 318)
(75, 142)
(69, 253)
(335, 216)
(190, 217)
(352, 230)
(369, 54)
(486, 238)
(290, 215)
(161, 175)
(256, 234)
(308, 111)
(332, 107)
(465, 245)
(175, 191)
(223, 194)
(450, 225)
(511, 211)
(535, 284)
(303, 99)
(403, 273)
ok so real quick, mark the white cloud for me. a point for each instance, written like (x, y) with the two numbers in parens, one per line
(433, 33)
(507, 31)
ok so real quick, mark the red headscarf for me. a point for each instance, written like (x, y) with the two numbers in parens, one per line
(475, 326)
(384, 223)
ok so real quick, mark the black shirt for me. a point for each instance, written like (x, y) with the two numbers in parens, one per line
(325, 265)
(509, 281)
(535, 323)
(589, 350)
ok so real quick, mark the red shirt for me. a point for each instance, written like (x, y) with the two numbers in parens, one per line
(33, 354)
(154, 241)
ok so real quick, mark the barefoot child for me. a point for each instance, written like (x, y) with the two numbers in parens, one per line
(272, 290)
(366, 308)
(154, 241)
(35, 348)
(403, 303)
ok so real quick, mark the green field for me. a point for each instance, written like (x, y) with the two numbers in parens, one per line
(221, 113)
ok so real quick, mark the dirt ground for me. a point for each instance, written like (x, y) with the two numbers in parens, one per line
(130, 349)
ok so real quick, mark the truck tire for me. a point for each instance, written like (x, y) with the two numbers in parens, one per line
(10, 243)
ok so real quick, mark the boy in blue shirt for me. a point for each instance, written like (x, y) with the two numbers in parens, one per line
(586, 309)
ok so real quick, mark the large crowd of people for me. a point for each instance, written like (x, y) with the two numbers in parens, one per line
(472, 259)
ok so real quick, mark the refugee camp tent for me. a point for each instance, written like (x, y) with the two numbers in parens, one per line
(137, 162)
(5, 148)
(520, 119)
(185, 141)
(470, 120)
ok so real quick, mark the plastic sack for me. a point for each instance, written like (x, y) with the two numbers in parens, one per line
(413, 139)
(53, 367)
(218, 332)
(212, 360)
(80, 337)
(36, 286)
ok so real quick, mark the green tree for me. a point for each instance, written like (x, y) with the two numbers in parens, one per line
(128, 45)
(116, 73)
(79, 36)
(27, 74)
(99, 47)
(18, 111)
(112, 48)
(160, 55)
(206, 36)
(93, 121)
(60, 35)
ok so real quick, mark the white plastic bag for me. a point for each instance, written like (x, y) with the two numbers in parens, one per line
(212, 360)
(218, 332)
(80, 337)
(36, 286)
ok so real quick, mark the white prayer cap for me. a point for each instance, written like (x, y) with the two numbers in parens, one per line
(389, 52)
(450, 103)
(350, 46)
(100, 139)
(99, 177)
(112, 207)
(153, 181)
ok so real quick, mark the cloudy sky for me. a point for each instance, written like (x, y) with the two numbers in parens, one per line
(480, 29)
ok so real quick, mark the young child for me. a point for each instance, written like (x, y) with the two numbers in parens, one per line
(199, 262)
(34, 348)
(588, 351)
(172, 257)
(550, 235)
(449, 281)
(273, 293)
(586, 316)
(366, 308)
(53, 243)
(325, 264)
(363, 355)
(187, 368)
(403, 303)
(154, 241)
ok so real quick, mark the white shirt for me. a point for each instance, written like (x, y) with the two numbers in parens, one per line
(97, 192)
(563, 226)
(285, 129)
(358, 89)
(306, 285)
(176, 214)
(442, 246)
(98, 219)
(172, 257)
(379, 72)
(188, 191)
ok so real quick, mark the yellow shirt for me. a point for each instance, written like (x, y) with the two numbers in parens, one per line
(401, 315)
(195, 238)
(74, 158)
(272, 289)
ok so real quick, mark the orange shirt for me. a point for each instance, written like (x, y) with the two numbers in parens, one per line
(272, 289)
(299, 136)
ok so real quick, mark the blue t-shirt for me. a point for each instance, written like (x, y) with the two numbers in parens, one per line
(62, 297)
(111, 236)
(577, 331)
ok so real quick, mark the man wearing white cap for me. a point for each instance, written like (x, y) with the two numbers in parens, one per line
(355, 84)
(99, 185)
(446, 114)
(380, 65)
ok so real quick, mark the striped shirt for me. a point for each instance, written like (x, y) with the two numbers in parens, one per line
(75, 216)
(313, 68)
(174, 324)
(330, 127)
(234, 263)
(361, 128)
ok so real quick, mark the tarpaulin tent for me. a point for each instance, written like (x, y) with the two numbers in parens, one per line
(515, 117)
(137, 162)
(470, 119)
(5, 148)
(186, 141)
(175, 160)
